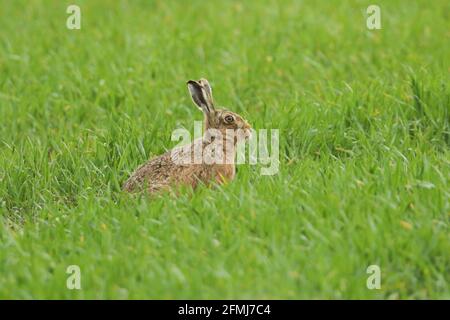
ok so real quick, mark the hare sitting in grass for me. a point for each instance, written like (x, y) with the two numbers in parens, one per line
(207, 160)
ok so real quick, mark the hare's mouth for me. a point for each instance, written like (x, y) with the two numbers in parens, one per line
(242, 135)
(248, 134)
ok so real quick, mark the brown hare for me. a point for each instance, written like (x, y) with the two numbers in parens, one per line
(223, 129)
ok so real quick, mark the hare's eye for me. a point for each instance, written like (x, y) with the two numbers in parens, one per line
(229, 119)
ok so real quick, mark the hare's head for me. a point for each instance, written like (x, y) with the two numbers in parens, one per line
(215, 118)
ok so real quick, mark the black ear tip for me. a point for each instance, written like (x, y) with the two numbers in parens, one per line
(191, 82)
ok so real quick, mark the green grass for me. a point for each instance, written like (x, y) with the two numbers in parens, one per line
(364, 148)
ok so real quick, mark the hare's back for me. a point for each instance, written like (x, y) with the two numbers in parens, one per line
(156, 171)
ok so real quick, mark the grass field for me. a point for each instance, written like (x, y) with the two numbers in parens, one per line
(364, 120)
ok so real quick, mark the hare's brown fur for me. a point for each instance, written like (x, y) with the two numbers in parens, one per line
(164, 171)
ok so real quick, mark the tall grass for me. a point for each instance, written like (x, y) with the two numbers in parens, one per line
(364, 149)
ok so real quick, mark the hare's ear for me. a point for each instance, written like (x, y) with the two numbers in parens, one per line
(205, 84)
(201, 95)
